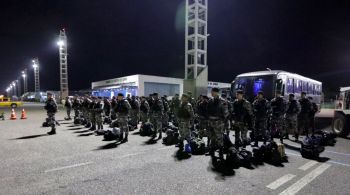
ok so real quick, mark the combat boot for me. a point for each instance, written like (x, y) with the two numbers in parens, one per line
(126, 138)
(121, 138)
(160, 135)
(181, 145)
(52, 132)
(93, 127)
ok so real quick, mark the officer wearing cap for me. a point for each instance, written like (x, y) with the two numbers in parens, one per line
(217, 113)
(144, 108)
(98, 110)
(122, 111)
(278, 110)
(242, 117)
(157, 111)
(291, 118)
(92, 113)
(185, 115)
(51, 109)
(135, 112)
(261, 109)
(174, 106)
(202, 111)
(68, 105)
(165, 118)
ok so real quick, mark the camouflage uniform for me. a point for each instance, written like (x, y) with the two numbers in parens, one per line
(293, 109)
(261, 110)
(157, 111)
(92, 115)
(278, 109)
(122, 110)
(202, 111)
(185, 114)
(144, 111)
(68, 105)
(217, 112)
(174, 106)
(85, 109)
(303, 117)
(76, 106)
(242, 116)
(98, 110)
(51, 108)
(134, 112)
(165, 118)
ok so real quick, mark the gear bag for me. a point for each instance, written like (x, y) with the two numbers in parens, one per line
(311, 147)
(172, 137)
(197, 146)
(147, 129)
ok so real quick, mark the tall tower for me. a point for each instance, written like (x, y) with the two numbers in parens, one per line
(36, 75)
(196, 34)
(62, 43)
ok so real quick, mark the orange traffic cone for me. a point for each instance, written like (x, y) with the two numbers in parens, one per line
(24, 115)
(13, 115)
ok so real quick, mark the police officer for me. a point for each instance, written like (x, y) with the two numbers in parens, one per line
(175, 104)
(291, 118)
(68, 105)
(92, 113)
(217, 113)
(107, 108)
(278, 110)
(261, 110)
(85, 108)
(185, 114)
(51, 109)
(134, 112)
(76, 107)
(242, 117)
(122, 110)
(165, 118)
(144, 108)
(304, 116)
(113, 106)
(314, 110)
(230, 109)
(98, 110)
(202, 111)
(157, 111)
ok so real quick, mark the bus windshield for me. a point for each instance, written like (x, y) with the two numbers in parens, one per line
(253, 84)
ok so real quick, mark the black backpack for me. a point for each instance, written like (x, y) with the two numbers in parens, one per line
(259, 153)
(311, 147)
(244, 157)
(172, 137)
(197, 146)
(147, 129)
(110, 135)
(107, 120)
(272, 154)
(232, 158)
(327, 138)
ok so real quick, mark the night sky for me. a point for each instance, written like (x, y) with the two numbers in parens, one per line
(114, 38)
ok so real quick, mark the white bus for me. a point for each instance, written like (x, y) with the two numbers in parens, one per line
(276, 80)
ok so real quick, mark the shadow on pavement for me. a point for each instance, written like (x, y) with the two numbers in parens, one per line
(150, 141)
(85, 134)
(31, 136)
(109, 146)
(83, 131)
(76, 128)
(136, 133)
(292, 147)
(221, 169)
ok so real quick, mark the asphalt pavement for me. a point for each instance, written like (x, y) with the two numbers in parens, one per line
(75, 161)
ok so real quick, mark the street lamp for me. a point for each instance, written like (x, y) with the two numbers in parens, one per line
(25, 83)
(60, 43)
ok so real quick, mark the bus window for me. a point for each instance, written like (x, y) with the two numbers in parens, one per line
(309, 88)
(297, 86)
(290, 86)
(304, 87)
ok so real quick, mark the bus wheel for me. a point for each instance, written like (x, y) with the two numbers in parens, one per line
(13, 105)
(339, 125)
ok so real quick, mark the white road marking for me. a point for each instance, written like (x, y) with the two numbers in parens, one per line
(297, 186)
(280, 181)
(308, 165)
(68, 167)
(164, 148)
(345, 154)
(330, 161)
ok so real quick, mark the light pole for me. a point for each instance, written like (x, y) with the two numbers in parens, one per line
(25, 81)
(14, 88)
(36, 74)
(18, 84)
(62, 44)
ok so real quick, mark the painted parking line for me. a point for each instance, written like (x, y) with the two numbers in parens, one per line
(330, 161)
(308, 165)
(340, 153)
(280, 181)
(297, 186)
(68, 167)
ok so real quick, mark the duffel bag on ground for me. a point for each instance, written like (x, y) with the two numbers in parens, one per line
(197, 146)
(327, 138)
(259, 153)
(232, 158)
(272, 154)
(172, 137)
(107, 120)
(77, 121)
(146, 129)
(311, 147)
(245, 157)
(111, 135)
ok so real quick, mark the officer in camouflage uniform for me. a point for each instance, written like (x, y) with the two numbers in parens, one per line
(314, 110)
(202, 111)
(165, 118)
(122, 110)
(92, 114)
(68, 105)
(51, 108)
(175, 104)
(157, 111)
(304, 116)
(291, 118)
(278, 110)
(107, 107)
(135, 112)
(261, 109)
(76, 106)
(144, 108)
(217, 113)
(185, 114)
(85, 109)
(98, 110)
(242, 116)
(230, 109)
